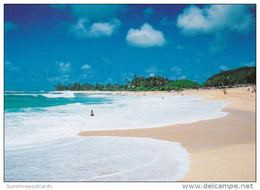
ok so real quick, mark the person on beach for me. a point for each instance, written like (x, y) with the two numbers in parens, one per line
(91, 113)
(224, 91)
(254, 90)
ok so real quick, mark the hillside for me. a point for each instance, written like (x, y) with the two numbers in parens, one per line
(243, 75)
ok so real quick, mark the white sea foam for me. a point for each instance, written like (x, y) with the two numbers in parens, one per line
(65, 94)
(123, 112)
(45, 141)
(98, 95)
(34, 95)
(98, 159)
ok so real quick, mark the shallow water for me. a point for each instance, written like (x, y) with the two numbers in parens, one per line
(41, 141)
(65, 115)
(98, 159)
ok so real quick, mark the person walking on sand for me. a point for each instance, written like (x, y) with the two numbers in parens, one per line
(91, 113)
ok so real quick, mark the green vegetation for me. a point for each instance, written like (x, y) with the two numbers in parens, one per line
(178, 85)
(158, 83)
(243, 75)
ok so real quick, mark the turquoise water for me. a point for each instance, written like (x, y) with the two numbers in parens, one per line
(20, 101)
(28, 115)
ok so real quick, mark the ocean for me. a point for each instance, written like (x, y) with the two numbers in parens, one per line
(41, 141)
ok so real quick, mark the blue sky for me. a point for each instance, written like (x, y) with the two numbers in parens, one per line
(50, 44)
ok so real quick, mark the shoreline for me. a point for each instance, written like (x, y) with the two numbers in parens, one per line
(220, 149)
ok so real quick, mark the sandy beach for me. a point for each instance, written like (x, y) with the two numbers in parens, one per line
(220, 149)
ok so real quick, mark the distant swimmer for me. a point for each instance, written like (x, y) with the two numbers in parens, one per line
(91, 113)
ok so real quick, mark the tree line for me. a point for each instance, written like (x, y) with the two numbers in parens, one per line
(242, 75)
(158, 83)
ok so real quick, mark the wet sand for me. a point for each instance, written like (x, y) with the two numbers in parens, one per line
(220, 149)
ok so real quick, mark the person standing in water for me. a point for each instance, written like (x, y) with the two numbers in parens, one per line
(91, 113)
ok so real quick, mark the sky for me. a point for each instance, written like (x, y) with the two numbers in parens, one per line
(49, 44)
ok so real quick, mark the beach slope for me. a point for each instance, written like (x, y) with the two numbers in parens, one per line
(221, 149)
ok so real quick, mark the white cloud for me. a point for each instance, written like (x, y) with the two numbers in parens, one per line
(215, 18)
(182, 77)
(84, 75)
(10, 67)
(248, 64)
(173, 78)
(223, 67)
(152, 69)
(83, 29)
(127, 76)
(64, 67)
(85, 67)
(51, 79)
(110, 80)
(176, 70)
(92, 19)
(62, 78)
(145, 37)
(105, 29)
